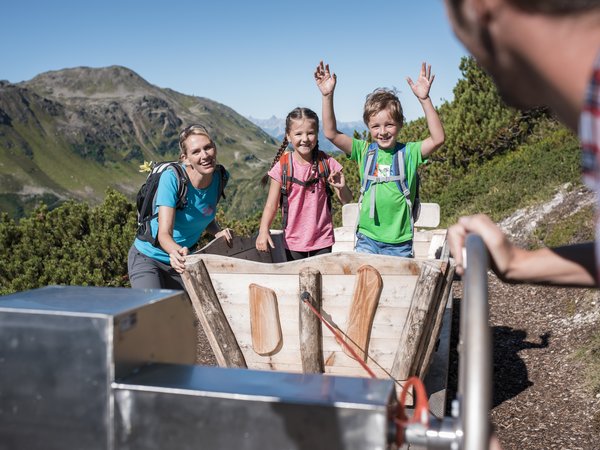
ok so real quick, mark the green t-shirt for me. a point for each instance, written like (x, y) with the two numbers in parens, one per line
(391, 223)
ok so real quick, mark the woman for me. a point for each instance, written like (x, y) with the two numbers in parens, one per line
(178, 230)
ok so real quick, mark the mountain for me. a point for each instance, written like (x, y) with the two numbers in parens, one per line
(275, 127)
(73, 133)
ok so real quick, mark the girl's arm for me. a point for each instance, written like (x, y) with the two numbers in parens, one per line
(326, 84)
(421, 90)
(177, 253)
(263, 241)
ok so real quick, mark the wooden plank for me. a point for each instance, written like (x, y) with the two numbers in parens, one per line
(425, 361)
(429, 216)
(388, 322)
(240, 247)
(413, 327)
(428, 324)
(311, 334)
(264, 320)
(367, 290)
(337, 290)
(343, 263)
(210, 314)
(436, 246)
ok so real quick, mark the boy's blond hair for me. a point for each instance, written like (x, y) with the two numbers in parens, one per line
(383, 99)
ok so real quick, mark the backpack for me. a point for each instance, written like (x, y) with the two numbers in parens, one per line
(287, 178)
(146, 196)
(397, 175)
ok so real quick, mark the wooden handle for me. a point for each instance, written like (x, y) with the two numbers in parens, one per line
(367, 290)
(264, 320)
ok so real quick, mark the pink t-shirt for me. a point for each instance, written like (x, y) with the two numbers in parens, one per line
(309, 225)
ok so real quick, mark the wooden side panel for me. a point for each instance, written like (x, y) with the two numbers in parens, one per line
(410, 340)
(210, 314)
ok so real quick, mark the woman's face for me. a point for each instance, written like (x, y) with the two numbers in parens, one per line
(200, 153)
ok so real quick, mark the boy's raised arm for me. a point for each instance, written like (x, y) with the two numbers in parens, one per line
(421, 90)
(326, 84)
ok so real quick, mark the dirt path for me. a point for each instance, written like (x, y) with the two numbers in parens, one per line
(541, 400)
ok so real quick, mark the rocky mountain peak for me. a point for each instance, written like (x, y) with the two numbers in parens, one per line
(88, 82)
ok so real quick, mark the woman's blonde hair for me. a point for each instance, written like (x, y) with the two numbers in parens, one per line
(194, 129)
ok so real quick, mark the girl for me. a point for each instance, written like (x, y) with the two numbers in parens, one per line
(177, 230)
(299, 179)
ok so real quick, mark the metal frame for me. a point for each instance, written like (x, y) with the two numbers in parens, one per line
(469, 426)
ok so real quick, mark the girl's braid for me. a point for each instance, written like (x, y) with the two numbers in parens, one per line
(314, 172)
(284, 145)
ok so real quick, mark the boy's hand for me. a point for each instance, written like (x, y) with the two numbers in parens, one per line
(336, 179)
(325, 81)
(423, 85)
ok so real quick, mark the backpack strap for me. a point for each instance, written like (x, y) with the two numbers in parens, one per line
(149, 203)
(286, 173)
(370, 179)
(287, 178)
(324, 173)
(399, 168)
(223, 179)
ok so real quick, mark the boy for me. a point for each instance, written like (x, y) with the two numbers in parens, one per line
(385, 225)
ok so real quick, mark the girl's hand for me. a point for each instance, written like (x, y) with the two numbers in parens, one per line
(227, 234)
(336, 179)
(423, 85)
(177, 259)
(325, 81)
(263, 241)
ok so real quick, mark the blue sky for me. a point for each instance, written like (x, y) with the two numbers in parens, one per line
(258, 57)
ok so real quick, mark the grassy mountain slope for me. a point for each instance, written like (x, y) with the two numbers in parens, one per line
(73, 133)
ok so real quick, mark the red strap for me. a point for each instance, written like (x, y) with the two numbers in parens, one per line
(305, 295)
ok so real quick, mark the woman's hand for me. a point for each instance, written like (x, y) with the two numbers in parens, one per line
(177, 259)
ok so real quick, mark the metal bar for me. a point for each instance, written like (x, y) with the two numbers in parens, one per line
(476, 372)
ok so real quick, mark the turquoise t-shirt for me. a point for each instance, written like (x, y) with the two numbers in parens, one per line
(391, 223)
(190, 222)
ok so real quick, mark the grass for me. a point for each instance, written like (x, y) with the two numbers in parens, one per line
(527, 176)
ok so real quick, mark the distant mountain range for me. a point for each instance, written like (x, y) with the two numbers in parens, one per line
(73, 133)
(275, 127)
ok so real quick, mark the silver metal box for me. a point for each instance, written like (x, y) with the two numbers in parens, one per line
(193, 407)
(62, 347)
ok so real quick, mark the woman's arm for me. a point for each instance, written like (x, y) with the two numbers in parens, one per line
(177, 253)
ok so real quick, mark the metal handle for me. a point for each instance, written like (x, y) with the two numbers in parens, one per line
(475, 368)
(469, 426)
